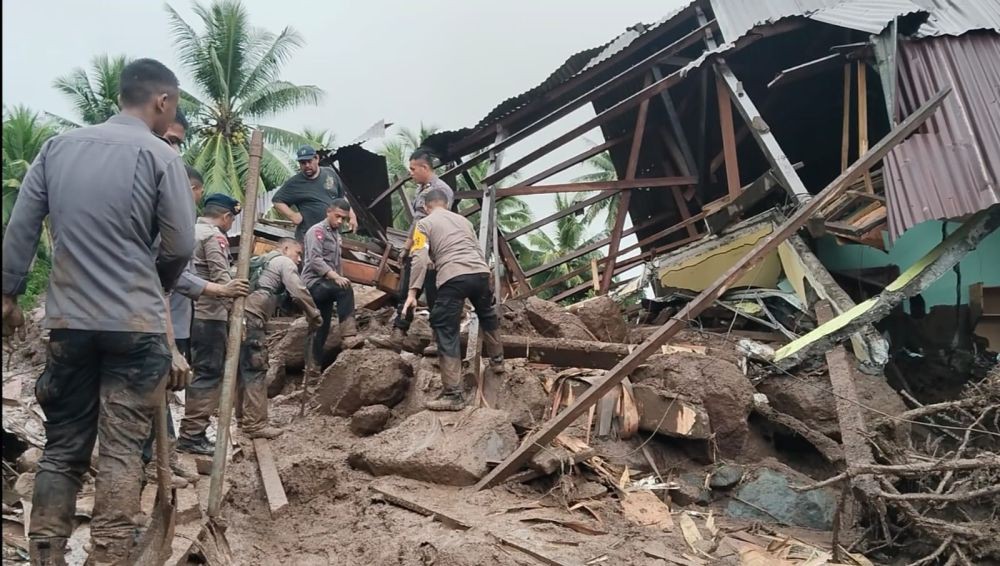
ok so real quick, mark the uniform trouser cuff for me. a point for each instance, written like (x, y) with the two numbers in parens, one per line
(254, 406)
(199, 406)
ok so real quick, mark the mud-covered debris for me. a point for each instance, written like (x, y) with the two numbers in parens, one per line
(370, 376)
(445, 448)
(307, 476)
(664, 413)
(603, 318)
(370, 420)
(725, 476)
(552, 321)
(719, 385)
(691, 490)
(28, 461)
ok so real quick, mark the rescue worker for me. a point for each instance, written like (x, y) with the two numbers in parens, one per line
(279, 274)
(449, 241)
(422, 172)
(210, 327)
(323, 277)
(108, 191)
(311, 191)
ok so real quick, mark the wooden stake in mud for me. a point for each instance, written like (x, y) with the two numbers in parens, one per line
(235, 327)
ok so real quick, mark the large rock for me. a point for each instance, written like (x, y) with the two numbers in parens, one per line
(521, 393)
(766, 495)
(716, 384)
(603, 317)
(552, 321)
(370, 376)
(439, 447)
(514, 319)
(370, 420)
(288, 346)
(808, 398)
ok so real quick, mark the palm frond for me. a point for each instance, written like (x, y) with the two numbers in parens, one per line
(268, 64)
(279, 96)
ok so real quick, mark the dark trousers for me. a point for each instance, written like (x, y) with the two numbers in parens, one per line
(430, 291)
(446, 315)
(184, 347)
(325, 294)
(96, 386)
(208, 356)
(251, 393)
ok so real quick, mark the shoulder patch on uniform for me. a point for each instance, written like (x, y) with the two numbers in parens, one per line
(223, 241)
(419, 240)
(318, 232)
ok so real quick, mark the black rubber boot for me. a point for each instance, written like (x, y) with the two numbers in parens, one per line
(200, 445)
(47, 551)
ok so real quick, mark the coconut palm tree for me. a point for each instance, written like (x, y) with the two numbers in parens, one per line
(24, 132)
(94, 96)
(319, 139)
(602, 169)
(237, 71)
(570, 235)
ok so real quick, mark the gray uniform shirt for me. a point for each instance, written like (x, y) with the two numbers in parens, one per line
(187, 290)
(279, 273)
(418, 201)
(108, 191)
(211, 263)
(448, 240)
(322, 253)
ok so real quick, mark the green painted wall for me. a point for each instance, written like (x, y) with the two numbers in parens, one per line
(981, 265)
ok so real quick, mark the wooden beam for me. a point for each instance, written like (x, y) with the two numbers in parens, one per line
(913, 281)
(706, 298)
(564, 212)
(650, 183)
(845, 143)
(277, 501)
(780, 163)
(595, 246)
(863, 118)
(638, 133)
(511, 263)
(688, 166)
(728, 139)
(566, 164)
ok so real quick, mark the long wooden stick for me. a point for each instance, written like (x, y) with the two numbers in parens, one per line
(863, 119)
(706, 298)
(235, 338)
(845, 134)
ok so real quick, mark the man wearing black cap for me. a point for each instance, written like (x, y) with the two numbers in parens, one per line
(209, 329)
(311, 191)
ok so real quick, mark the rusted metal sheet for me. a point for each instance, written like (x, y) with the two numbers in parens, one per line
(952, 167)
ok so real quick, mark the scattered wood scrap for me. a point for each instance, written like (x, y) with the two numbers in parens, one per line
(277, 501)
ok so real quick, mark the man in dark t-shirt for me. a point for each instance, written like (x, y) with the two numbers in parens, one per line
(310, 191)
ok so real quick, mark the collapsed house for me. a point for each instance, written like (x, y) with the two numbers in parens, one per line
(812, 188)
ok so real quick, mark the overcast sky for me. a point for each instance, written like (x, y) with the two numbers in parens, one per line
(441, 62)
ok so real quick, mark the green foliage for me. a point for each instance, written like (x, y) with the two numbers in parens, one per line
(237, 70)
(24, 133)
(94, 96)
(38, 280)
(602, 169)
(570, 235)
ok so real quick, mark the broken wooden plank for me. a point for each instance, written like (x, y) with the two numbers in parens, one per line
(708, 297)
(728, 139)
(737, 204)
(277, 501)
(645, 509)
(409, 502)
(911, 282)
(823, 443)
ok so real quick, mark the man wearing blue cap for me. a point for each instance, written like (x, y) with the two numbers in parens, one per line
(209, 329)
(310, 191)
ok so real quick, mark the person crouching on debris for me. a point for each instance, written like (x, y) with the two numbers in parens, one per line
(272, 275)
(211, 323)
(449, 241)
(322, 275)
(422, 172)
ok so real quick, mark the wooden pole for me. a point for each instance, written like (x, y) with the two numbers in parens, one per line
(706, 298)
(863, 119)
(235, 338)
(728, 139)
(845, 135)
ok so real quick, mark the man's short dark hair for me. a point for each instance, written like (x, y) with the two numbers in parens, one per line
(289, 242)
(435, 195)
(194, 175)
(425, 155)
(144, 78)
(341, 203)
(215, 211)
(181, 120)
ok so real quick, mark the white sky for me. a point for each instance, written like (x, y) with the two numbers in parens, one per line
(439, 62)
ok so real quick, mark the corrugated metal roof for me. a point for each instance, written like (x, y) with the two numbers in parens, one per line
(953, 168)
(945, 17)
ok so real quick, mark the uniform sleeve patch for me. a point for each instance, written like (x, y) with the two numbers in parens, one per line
(319, 233)
(223, 241)
(419, 240)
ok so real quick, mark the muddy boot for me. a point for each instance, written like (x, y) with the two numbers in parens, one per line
(182, 470)
(494, 351)
(149, 472)
(199, 445)
(451, 397)
(394, 342)
(47, 551)
(268, 432)
(431, 350)
(348, 327)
